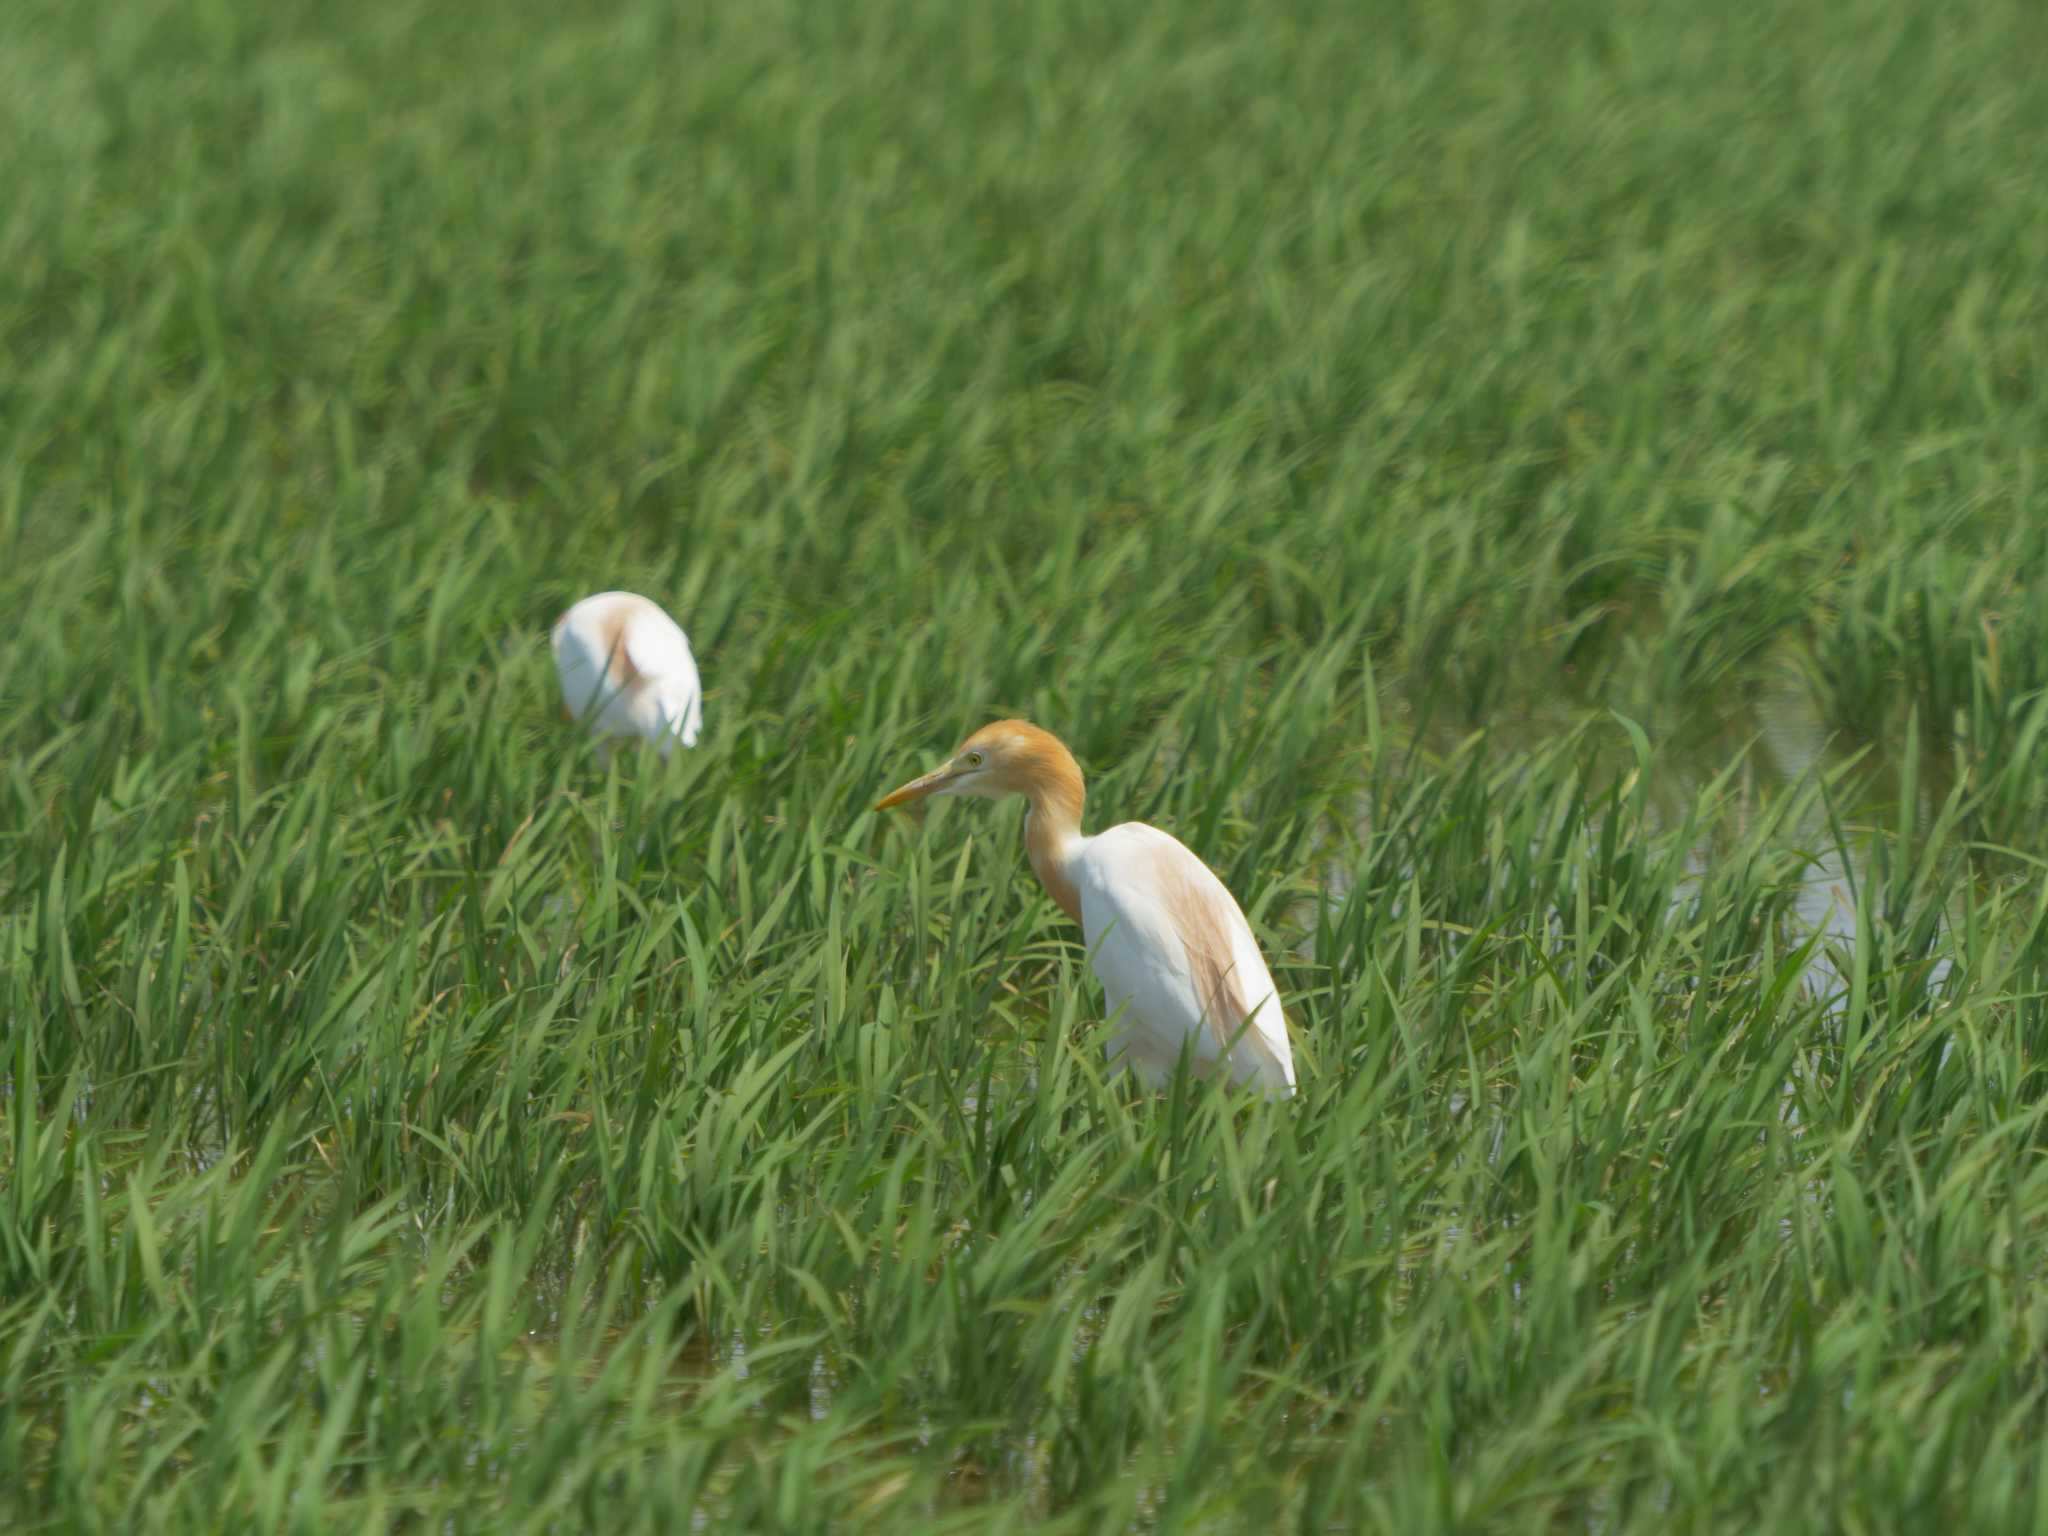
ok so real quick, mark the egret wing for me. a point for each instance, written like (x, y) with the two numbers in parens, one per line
(657, 647)
(678, 706)
(1174, 951)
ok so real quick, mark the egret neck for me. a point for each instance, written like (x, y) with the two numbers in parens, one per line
(1052, 786)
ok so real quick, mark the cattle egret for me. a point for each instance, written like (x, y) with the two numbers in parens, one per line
(626, 670)
(1171, 947)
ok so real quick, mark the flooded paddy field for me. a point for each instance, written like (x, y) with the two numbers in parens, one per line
(1546, 503)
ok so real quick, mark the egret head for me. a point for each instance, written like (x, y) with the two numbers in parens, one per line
(1010, 757)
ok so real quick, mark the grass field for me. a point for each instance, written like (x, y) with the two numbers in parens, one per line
(1430, 455)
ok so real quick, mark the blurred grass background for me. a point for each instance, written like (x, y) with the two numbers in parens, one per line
(1327, 417)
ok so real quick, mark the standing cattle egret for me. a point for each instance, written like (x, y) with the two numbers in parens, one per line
(1172, 949)
(627, 670)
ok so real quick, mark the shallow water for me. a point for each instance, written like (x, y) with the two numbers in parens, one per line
(1796, 744)
(1776, 741)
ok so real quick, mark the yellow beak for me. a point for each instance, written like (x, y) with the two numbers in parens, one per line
(916, 789)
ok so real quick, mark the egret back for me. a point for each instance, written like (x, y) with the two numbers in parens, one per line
(1175, 953)
(660, 653)
(626, 666)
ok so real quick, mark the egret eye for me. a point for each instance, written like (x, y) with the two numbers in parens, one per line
(974, 759)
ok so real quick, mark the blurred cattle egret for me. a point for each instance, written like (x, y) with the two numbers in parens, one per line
(1170, 946)
(626, 670)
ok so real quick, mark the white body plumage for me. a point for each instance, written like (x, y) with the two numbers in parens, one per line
(626, 670)
(1177, 962)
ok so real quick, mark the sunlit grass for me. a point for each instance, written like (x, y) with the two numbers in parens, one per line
(1414, 454)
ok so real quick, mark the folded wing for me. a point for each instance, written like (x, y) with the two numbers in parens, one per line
(659, 653)
(1175, 953)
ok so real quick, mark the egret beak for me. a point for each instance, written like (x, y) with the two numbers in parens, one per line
(917, 789)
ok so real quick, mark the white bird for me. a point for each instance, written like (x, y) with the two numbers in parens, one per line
(1171, 947)
(626, 670)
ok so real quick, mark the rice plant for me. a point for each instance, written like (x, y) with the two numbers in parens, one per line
(1545, 501)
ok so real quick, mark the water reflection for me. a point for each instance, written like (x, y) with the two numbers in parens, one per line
(1778, 744)
(1790, 733)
